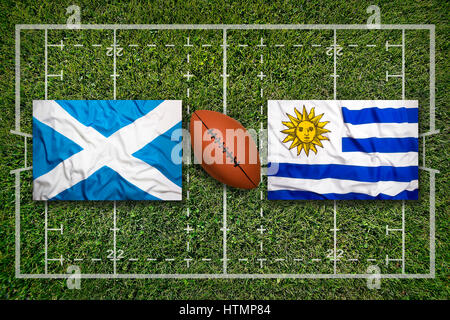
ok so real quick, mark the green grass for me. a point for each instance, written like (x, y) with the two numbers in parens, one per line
(295, 229)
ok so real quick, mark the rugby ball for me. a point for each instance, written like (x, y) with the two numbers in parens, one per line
(225, 149)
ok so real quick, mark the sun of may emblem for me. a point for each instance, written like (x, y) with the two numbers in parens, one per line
(305, 131)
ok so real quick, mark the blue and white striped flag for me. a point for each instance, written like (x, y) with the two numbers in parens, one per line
(343, 149)
(106, 150)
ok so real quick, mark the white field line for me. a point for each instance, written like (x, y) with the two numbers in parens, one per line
(114, 65)
(188, 229)
(227, 276)
(403, 202)
(46, 63)
(46, 237)
(226, 26)
(225, 259)
(261, 76)
(114, 203)
(432, 225)
(432, 78)
(334, 202)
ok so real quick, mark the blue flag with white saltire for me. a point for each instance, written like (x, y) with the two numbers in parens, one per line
(342, 149)
(107, 150)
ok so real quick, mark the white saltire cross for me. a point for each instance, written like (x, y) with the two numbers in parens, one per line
(114, 151)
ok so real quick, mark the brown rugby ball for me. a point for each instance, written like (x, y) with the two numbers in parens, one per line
(225, 149)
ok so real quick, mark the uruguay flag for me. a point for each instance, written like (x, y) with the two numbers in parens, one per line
(343, 149)
(107, 150)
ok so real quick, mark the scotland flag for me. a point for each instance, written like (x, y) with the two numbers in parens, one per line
(343, 149)
(107, 150)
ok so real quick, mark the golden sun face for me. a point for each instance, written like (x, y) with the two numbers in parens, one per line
(305, 131)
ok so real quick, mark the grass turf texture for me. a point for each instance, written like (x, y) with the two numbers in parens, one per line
(156, 230)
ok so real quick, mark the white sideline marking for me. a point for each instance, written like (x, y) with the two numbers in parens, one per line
(432, 224)
(432, 78)
(403, 64)
(224, 72)
(335, 229)
(114, 65)
(226, 276)
(227, 26)
(403, 236)
(403, 201)
(46, 237)
(188, 228)
(114, 238)
(46, 63)
(423, 151)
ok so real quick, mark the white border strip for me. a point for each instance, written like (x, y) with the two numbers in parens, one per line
(224, 226)
(226, 276)
(228, 26)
